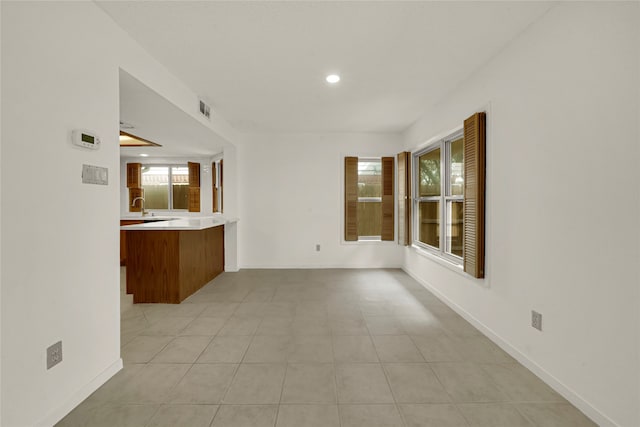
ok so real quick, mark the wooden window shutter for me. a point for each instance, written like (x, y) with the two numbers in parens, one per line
(133, 193)
(214, 187)
(194, 187)
(404, 198)
(194, 199)
(350, 199)
(388, 198)
(134, 175)
(474, 188)
(194, 174)
(221, 187)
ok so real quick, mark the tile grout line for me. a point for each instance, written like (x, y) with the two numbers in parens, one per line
(284, 377)
(237, 368)
(458, 404)
(335, 375)
(386, 377)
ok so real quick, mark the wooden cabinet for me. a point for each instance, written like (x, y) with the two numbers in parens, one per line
(166, 266)
(134, 175)
(123, 239)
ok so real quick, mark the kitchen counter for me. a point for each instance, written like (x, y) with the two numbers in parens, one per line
(173, 223)
(168, 261)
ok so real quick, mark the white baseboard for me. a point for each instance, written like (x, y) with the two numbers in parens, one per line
(318, 267)
(59, 413)
(589, 410)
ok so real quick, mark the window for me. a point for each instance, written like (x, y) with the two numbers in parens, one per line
(439, 198)
(369, 202)
(369, 199)
(166, 187)
(448, 196)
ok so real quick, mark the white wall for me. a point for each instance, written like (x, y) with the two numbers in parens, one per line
(290, 189)
(562, 204)
(230, 191)
(206, 203)
(637, 195)
(0, 219)
(230, 198)
(59, 265)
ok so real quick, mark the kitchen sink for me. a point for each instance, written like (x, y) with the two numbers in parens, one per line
(152, 219)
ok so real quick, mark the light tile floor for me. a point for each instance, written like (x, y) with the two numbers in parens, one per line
(307, 348)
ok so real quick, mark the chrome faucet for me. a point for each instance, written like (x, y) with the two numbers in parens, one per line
(142, 203)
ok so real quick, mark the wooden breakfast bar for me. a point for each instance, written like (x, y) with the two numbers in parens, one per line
(169, 260)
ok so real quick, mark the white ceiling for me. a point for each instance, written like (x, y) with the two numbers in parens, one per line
(262, 64)
(156, 119)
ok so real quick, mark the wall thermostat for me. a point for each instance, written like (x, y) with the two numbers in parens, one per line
(85, 138)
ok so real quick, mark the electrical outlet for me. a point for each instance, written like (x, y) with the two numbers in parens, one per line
(54, 355)
(318, 248)
(536, 320)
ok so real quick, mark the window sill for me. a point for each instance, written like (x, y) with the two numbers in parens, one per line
(440, 260)
(369, 242)
(456, 268)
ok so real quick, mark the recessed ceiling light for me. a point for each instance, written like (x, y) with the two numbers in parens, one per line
(144, 155)
(333, 78)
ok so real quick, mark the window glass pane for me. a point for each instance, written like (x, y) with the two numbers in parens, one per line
(429, 167)
(429, 223)
(369, 185)
(155, 182)
(456, 166)
(180, 187)
(455, 227)
(369, 219)
(369, 178)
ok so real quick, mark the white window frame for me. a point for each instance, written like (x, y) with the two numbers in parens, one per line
(444, 144)
(340, 229)
(170, 166)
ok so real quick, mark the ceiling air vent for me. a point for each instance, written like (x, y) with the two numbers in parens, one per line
(205, 110)
(125, 125)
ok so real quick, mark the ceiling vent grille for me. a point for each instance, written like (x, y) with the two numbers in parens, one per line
(205, 110)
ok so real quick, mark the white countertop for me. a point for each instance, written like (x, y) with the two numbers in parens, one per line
(152, 217)
(184, 223)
